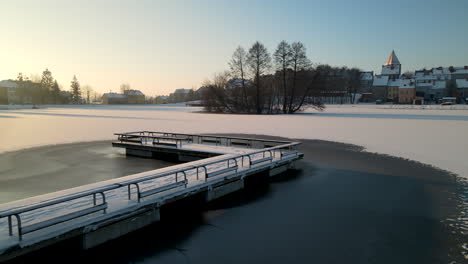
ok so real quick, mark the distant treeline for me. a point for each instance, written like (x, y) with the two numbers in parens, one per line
(286, 82)
(45, 91)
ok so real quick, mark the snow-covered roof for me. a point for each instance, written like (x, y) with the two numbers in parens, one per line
(440, 71)
(8, 84)
(380, 80)
(233, 83)
(392, 59)
(462, 83)
(113, 95)
(458, 70)
(134, 92)
(182, 90)
(406, 83)
(395, 82)
(367, 76)
(424, 75)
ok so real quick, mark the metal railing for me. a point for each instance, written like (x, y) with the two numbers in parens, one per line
(63, 218)
(228, 164)
(197, 138)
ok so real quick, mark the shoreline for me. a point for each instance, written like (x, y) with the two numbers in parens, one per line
(409, 204)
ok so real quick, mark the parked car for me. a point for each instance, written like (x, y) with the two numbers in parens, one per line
(379, 101)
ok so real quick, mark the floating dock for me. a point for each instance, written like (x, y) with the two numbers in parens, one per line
(214, 166)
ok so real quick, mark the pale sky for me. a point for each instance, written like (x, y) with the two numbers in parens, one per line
(159, 46)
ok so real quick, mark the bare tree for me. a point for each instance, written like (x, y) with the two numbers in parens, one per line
(299, 62)
(259, 61)
(238, 66)
(124, 87)
(87, 90)
(283, 62)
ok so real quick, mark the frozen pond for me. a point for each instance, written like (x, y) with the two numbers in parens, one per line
(429, 134)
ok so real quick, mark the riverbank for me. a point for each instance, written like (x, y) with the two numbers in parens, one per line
(342, 205)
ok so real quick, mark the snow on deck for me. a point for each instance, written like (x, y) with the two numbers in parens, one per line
(117, 199)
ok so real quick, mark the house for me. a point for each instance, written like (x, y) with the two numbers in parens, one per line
(114, 98)
(181, 95)
(458, 72)
(462, 88)
(238, 83)
(380, 86)
(406, 91)
(134, 97)
(367, 79)
(8, 93)
(393, 87)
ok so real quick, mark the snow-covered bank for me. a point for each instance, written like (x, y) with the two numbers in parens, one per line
(436, 137)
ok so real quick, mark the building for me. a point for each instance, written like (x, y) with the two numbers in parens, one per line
(134, 97)
(386, 85)
(393, 87)
(462, 89)
(114, 98)
(392, 68)
(367, 79)
(181, 95)
(128, 97)
(8, 93)
(458, 72)
(407, 92)
(379, 87)
(431, 85)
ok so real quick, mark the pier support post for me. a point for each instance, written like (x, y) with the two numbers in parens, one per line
(118, 229)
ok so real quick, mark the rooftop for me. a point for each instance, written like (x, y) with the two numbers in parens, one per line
(392, 59)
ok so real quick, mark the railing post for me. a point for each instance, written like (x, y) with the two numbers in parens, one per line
(206, 173)
(18, 220)
(10, 228)
(103, 201)
(129, 197)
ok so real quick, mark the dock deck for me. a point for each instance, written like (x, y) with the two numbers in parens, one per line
(99, 212)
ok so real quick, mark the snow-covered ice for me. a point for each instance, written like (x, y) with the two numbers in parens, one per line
(434, 135)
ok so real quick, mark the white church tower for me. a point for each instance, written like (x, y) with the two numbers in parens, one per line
(392, 68)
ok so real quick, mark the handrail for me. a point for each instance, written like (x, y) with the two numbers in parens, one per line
(204, 135)
(16, 212)
(58, 200)
(128, 183)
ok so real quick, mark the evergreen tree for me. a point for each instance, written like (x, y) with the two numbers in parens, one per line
(75, 90)
(47, 82)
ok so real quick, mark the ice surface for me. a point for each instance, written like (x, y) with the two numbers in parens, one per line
(434, 135)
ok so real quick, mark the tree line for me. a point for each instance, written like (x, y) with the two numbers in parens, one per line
(285, 82)
(46, 90)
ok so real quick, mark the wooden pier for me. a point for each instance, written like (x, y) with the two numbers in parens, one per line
(96, 213)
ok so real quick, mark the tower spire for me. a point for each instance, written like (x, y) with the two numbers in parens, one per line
(392, 59)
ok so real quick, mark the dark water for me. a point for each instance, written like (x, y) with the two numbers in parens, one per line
(341, 205)
(47, 169)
